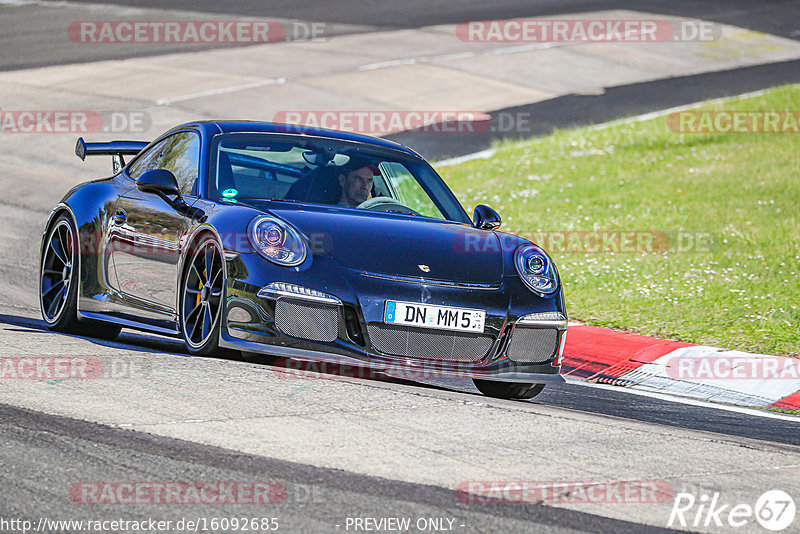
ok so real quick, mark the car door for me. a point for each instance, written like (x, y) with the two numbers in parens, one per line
(146, 232)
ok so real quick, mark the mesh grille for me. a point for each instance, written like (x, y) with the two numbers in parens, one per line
(533, 345)
(429, 344)
(317, 322)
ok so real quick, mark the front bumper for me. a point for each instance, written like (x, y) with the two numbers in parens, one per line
(251, 311)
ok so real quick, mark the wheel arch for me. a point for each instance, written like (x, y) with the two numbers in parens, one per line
(87, 205)
(61, 209)
(192, 238)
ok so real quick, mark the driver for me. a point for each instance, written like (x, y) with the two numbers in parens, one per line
(356, 182)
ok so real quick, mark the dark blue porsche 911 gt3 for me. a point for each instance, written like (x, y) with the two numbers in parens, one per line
(303, 243)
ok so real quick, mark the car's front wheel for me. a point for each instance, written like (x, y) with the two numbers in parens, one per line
(201, 297)
(507, 390)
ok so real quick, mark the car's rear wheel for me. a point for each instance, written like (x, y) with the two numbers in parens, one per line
(201, 297)
(58, 284)
(507, 390)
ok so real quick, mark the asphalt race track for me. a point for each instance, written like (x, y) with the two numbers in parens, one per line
(343, 447)
(40, 43)
(172, 417)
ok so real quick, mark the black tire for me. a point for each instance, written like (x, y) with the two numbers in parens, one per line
(58, 284)
(507, 390)
(202, 296)
(106, 331)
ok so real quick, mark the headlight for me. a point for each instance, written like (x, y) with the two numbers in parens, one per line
(277, 241)
(536, 269)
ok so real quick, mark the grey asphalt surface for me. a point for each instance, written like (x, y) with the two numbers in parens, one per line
(36, 35)
(43, 454)
(40, 453)
(570, 396)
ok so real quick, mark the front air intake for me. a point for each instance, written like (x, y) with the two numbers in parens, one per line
(427, 344)
(532, 345)
(307, 320)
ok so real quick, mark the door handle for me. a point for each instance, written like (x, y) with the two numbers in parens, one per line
(120, 217)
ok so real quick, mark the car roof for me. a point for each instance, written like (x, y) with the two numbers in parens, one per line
(214, 127)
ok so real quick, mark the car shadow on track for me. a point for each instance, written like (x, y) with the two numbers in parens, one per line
(145, 342)
(604, 402)
(126, 340)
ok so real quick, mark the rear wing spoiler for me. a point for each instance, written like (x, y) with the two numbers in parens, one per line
(115, 149)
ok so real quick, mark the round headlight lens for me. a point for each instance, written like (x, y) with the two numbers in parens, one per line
(536, 269)
(277, 241)
(537, 265)
(273, 236)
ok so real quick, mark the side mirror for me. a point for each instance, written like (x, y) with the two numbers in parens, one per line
(486, 218)
(164, 184)
(159, 181)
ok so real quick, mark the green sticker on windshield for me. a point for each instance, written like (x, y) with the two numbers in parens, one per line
(230, 193)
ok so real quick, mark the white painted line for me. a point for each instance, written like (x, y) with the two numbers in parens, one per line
(629, 120)
(221, 91)
(483, 154)
(683, 400)
(763, 389)
(457, 55)
(462, 55)
(669, 111)
(392, 63)
(526, 48)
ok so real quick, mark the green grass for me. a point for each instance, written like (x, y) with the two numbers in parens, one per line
(784, 411)
(740, 191)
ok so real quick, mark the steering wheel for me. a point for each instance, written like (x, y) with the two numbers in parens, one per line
(386, 204)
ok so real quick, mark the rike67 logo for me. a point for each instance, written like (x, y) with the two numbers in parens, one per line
(774, 510)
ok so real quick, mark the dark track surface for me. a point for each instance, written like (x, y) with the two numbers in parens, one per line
(766, 15)
(39, 450)
(42, 455)
(36, 35)
(616, 102)
(615, 402)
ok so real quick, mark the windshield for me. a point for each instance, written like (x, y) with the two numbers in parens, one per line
(326, 171)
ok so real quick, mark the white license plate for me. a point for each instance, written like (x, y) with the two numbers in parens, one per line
(440, 317)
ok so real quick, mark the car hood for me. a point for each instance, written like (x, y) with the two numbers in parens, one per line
(395, 244)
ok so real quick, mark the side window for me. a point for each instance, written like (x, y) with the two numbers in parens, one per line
(147, 161)
(179, 153)
(408, 191)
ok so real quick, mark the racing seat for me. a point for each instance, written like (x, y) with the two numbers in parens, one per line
(319, 186)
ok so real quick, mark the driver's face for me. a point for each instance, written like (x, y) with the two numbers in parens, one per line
(357, 185)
